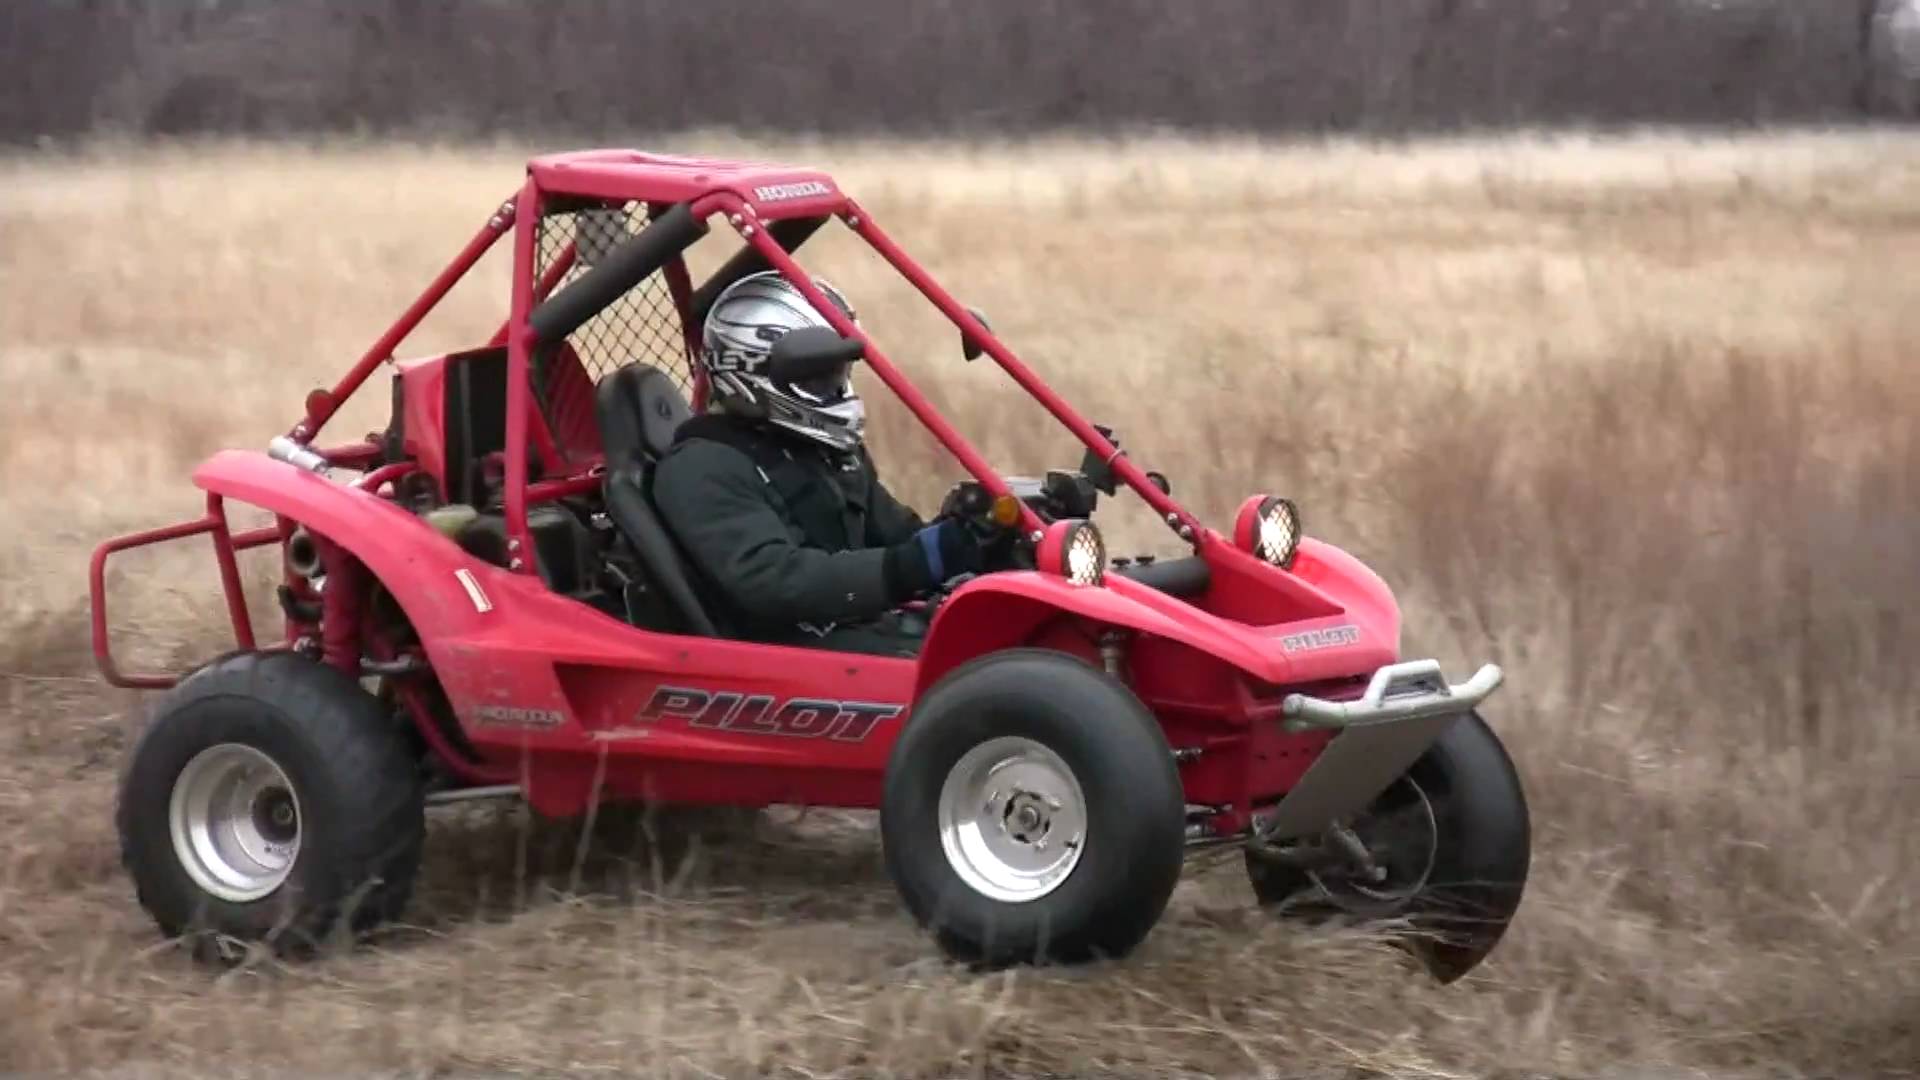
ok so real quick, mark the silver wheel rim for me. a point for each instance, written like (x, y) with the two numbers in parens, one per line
(235, 821)
(1416, 815)
(1013, 820)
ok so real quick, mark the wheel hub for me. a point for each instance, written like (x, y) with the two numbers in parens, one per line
(235, 822)
(1027, 819)
(1390, 848)
(1013, 819)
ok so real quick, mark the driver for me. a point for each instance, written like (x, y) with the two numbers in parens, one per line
(776, 502)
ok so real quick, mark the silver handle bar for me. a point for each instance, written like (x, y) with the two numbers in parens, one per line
(1397, 692)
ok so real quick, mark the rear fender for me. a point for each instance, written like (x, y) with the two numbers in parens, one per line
(420, 567)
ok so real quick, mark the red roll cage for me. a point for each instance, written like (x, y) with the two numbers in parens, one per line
(773, 208)
(750, 197)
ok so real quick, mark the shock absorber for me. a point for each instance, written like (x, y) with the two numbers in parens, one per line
(1113, 653)
(342, 607)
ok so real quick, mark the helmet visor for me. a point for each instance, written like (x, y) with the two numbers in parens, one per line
(826, 388)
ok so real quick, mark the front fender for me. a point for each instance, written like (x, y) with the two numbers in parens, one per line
(1331, 617)
(1353, 584)
(1001, 610)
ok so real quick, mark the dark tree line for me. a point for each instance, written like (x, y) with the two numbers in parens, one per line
(620, 67)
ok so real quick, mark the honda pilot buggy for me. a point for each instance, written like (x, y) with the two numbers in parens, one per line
(482, 600)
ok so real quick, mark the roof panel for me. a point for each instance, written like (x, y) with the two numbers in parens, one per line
(775, 191)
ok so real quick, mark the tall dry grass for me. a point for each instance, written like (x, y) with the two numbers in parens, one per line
(1635, 418)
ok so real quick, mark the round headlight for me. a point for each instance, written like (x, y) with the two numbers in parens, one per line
(1268, 527)
(1075, 551)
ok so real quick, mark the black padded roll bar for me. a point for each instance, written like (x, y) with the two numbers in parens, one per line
(789, 233)
(1185, 578)
(624, 267)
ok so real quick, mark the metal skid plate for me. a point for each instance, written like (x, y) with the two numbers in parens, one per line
(1352, 771)
(1406, 707)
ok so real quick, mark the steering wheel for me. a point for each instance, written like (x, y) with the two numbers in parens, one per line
(969, 505)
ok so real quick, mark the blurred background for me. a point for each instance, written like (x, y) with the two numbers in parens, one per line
(461, 68)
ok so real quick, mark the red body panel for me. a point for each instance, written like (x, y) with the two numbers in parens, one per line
(572, 443)
(423, 385)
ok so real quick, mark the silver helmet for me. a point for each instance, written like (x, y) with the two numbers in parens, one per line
(741, 327)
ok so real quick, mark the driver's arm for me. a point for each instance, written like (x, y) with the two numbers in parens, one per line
(717, 504)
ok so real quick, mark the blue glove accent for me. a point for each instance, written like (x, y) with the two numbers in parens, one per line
(929, 538)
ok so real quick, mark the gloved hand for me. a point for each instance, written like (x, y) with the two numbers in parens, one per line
(936, 554)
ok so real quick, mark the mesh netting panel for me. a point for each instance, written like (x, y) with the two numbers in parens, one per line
(642, 325)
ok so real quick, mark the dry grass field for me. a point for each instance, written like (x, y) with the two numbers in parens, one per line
(1636, 418)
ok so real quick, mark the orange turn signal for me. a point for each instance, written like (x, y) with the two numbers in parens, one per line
(1005, 510)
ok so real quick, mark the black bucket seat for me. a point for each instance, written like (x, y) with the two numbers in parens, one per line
(639, 408)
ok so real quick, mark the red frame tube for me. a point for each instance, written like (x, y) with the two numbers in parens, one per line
(549, 490)
(519, 368)
(360, 455)
(741, 216)
(462, 767)
(542, 434)
(385, 474)
(381, 351)
(225, 546)
(875, 359)
(680, 290)
(562, 263)
(1169, 510)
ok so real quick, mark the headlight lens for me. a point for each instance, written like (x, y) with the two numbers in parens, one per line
(1279, 532)
(1086, 556)
(1075, 551)
(1269, 528)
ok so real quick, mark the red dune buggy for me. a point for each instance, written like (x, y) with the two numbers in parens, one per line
(481, 600)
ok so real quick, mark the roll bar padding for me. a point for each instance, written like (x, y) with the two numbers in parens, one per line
(789, 233)
(624, 267)
(1185, 578)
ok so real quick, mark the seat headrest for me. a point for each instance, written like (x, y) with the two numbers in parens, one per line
(639, 408)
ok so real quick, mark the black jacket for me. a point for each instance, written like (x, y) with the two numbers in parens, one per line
(783, 532)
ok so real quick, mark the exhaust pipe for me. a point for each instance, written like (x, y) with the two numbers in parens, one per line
(303, 554)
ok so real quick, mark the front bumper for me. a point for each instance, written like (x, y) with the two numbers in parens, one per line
(1406, 707)
(1402, 691)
